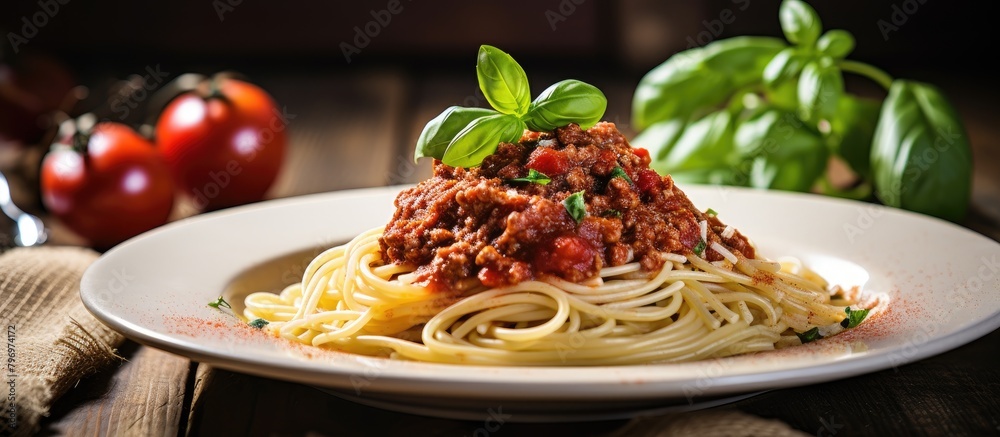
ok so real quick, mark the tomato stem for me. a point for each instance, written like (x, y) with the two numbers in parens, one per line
(215, 90)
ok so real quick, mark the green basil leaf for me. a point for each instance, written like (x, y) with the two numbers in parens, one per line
(799, 22)
(742, 59)
(820, 87)
(439, 132)
(480, 139)
(693, 82)
(921, 159)
(779, 152)
(700, 247)
(568, 101)
(219, 304)
(809, 336)
(258, 323)
(619, 173)
(836, 43)
(704, 144)
(787, 64)
(575, 206)
(854, 317)
(852, 130)
(502, 81)
(658, 139)
(534, 177)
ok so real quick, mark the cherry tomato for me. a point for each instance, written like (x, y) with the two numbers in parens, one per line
(116, 188)
(225, 148)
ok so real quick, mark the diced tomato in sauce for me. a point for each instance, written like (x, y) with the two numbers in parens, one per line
(548, 161)
(648, 181)
(564, 252)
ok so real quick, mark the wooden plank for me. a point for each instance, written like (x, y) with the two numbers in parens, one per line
(142, 396)
(344, 130)
(229, 403)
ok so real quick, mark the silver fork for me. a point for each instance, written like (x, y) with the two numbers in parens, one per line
(28, 229)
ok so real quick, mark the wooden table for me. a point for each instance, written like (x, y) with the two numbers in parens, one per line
(358, 130)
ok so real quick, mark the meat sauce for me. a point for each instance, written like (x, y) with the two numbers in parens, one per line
(466, 224)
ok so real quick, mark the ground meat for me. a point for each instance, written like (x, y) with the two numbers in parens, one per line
(464, 224)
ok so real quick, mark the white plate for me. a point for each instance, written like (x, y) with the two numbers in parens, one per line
(941, 281)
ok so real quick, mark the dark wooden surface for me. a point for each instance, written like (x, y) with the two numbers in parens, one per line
(358, 131)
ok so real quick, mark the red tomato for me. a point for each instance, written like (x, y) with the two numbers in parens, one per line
(649, 181)
(223, 149)
(549, 161)
(118, 188)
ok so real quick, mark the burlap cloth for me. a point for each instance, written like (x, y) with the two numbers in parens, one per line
(52, 341)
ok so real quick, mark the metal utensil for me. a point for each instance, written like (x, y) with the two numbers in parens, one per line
(28, 229)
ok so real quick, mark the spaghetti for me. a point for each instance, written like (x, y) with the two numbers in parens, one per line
(351, 299)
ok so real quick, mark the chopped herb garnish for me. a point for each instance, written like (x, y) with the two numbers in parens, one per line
(711, 212)
(808, 336)
(534, 177)
(611, 213)
(575, 206)
(220, 303)
(854, 317)
(700, 247)
(258, 323)
(619, 173)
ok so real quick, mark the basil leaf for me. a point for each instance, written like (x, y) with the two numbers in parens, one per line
(701, 152)
(220, 303)
(658, 139)
(568, 101)
(779, 152)
(820, 88)
(742, 59)
(694, 81)
(920, 155)
(611, 213)
(575, 206)
(854, 317)
(852, 130)
(808, 336)
(619, 173)
(700, 247)
(258, 323)
(480, 139)
(534, 177)
(787, 64)
(439, 132)
(502, 81)
(799, 22)
(836, 43)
